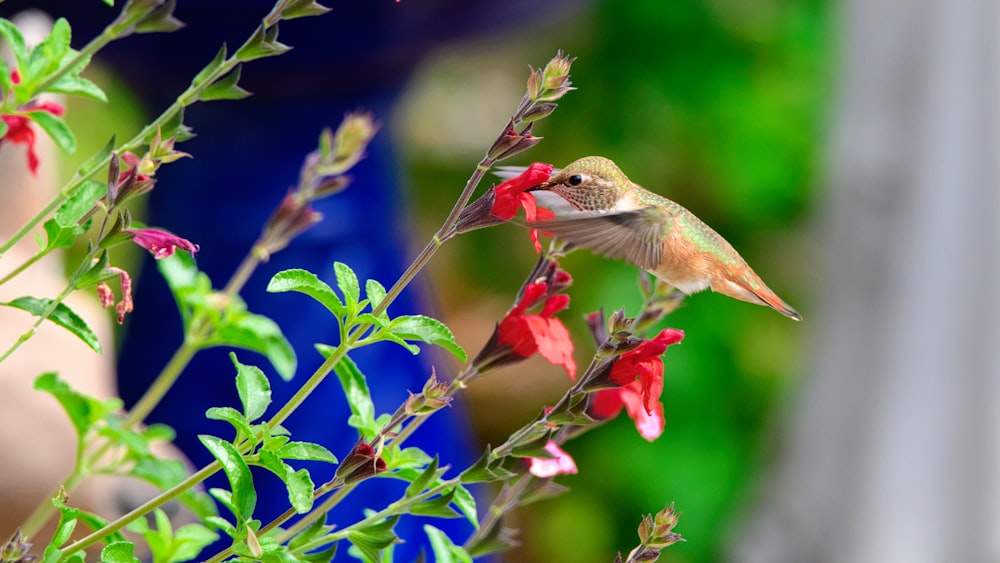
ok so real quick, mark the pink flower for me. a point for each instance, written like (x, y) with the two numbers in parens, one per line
(161, 243)
(107, 296)
(639, 373)
(559, 464)
(19, 129)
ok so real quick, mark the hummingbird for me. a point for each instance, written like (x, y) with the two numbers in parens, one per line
(599, 208)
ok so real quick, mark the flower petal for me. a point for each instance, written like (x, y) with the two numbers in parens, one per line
(560, 464)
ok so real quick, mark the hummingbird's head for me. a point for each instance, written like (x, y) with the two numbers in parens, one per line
(593, 183)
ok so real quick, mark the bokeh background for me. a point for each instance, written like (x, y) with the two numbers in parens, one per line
(848, 150)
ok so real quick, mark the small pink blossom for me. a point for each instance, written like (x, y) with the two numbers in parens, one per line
(161, 243)
(559, 464)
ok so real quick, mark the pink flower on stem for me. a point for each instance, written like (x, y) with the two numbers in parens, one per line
(527, 333)
(107, 296)
(20, 131)
(559, 464)
(639, 374)
(161, 243)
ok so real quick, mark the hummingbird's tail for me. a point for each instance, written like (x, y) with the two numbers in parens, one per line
(752, 290)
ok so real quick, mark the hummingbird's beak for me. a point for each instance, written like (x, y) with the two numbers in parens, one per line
(542, 186)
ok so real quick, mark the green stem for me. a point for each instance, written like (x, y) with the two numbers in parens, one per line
(149, 506)
(25, 265)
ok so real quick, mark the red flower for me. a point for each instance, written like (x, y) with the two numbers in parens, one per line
(161, 243)
(559, 464)
(19, 130)
(639, 373)
(529, 333)
(512, 194)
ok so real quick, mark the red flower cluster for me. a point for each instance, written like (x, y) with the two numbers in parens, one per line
(639, 373)
(527, 333)
(19, 128)
(160, 243)
(512, 194)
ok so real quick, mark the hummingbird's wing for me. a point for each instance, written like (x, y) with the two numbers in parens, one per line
(635, 236)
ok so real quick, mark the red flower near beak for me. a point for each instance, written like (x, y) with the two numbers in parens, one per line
(512, 194)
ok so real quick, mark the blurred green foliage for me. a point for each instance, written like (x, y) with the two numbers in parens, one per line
(719, 105)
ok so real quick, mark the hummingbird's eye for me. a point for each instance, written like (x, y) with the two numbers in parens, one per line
(575, 180)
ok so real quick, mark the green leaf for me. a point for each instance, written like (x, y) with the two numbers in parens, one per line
(243, 496)
(302, 8)
(439, 506)
(190, 540)
(305, 451)
(67, 522)
(56, 127)
(225, 88)
(466, 503)
(233, 417)
(253, 388)
(358, 396)
(347, 281)
(263, 43)
(78, 86)
(428, 476)
(210, 68)
(306, 282)
(119, 552)
(61, 315)
(445, 551)
(375, 293)
(80, 203)
(262, 335)
(300, 490)
(48, 54)
(60, 237)
(426, 329)
(373, 539)
(83, 411)
(15, 42)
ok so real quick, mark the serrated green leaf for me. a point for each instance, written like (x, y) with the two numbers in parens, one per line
(439, 506)
(67, 522)
(426, 329)
(225, 88)
(445, 551)
(259, 334)
(83, 411)
(78, 86)
(222, 524)
(300, 490)
(47, 55)
(56, 128)
(80, 203)
(62, 315)
(347, 281)
(308, 283)
(306, 451)
(358, 396)
(411, 348)
(243, 496)
(119, 552)
(233, 417)
(253, 388)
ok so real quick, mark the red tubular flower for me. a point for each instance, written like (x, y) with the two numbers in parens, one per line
(19, 129)
(639, 373)
(512, 194)
(559, 464)
(528, 333)
(161, 243)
